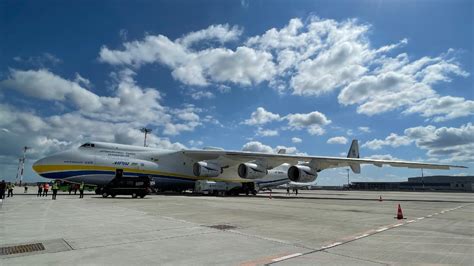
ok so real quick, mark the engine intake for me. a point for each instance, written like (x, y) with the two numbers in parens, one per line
(251, 171)
(205, 169)
(302, 174)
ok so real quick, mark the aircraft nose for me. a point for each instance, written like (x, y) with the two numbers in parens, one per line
(38, 165)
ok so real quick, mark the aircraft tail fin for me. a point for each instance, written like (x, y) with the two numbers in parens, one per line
(354, 153)
(282, 151)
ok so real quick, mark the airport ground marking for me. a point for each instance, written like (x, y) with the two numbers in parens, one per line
(357, 237)
(287, 257)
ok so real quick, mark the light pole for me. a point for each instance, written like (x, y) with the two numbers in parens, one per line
(348, 183)
(146, 131)
(21, 164)
(422, 179)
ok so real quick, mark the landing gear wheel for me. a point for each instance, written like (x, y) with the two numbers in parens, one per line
(113, 195)
(134, 195)
(142, 196)
(105, 195)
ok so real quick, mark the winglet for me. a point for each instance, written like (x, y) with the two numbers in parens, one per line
(354, 153)
(282, 151)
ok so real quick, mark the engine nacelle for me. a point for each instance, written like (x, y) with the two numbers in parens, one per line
(302, 174)
(251, 171)
(205, 169)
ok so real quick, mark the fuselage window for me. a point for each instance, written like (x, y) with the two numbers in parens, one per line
(87, 145)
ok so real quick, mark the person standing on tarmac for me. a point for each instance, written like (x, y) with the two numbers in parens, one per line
(45, 189)
(10, 187)
(55, 189)
(3, 186)
(81, 190)
(40, 190)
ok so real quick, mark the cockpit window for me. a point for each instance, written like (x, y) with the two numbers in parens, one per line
(87, 145)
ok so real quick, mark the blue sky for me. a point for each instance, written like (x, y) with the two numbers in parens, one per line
(252, 75)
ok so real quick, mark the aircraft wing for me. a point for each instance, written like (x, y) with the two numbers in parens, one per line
(233, 158)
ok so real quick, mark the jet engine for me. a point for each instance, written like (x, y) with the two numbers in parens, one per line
(251, 171)
(205, 169)
(302, 174)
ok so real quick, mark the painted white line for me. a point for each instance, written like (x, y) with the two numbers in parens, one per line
(421, 218)
(361, 236)
(397, 225)
(429, 215)
(287, 257)
(332, 245)
(381, 229)
(410, 221)
(435, 213)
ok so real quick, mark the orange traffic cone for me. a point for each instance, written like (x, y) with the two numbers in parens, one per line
(380, 199)
(399, 213)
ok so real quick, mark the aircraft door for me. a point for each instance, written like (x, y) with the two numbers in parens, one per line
(118, 173)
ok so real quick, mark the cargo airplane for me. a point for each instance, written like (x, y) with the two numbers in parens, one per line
(98, 163)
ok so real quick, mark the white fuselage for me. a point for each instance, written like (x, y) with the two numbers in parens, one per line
(97, 163)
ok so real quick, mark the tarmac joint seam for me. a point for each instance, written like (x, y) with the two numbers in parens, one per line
(364, 235)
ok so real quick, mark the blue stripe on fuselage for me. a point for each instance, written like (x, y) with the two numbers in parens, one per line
(67, 174)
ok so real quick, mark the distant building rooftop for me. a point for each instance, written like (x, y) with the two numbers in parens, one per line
(438, 182)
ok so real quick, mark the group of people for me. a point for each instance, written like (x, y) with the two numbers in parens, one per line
(44, 188)
(4, 186)
(295, 190)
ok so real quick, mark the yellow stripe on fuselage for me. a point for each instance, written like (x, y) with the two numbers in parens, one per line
(40, 169)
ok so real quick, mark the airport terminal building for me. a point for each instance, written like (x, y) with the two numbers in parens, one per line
(438, 182)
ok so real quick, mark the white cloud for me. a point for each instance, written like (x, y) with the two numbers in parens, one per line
(443, 108)
(243, 66)
(287, 37)
(313, 122)
(129, 103)
(45, 85)
(288, 150)
(309, 58)
(399, 83)
(223, 88)
(41, 61)
(152, 49)
(449, 144)
(392, 140)
(256, 146)
(364, 129)
(49, 134)
(202, 94)
(221, 33)
(388, 157)
(296, 140)
(446, 143)
(267, 132)
(195, 143)
(261, 116)
(337, 140)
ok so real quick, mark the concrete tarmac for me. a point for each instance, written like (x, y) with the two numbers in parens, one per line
(315, 227)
